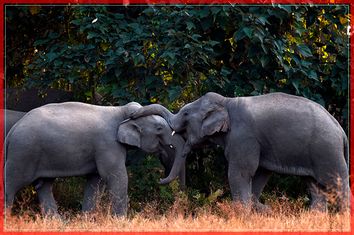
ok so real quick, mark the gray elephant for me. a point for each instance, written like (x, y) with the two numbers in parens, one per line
(262, 134)
(11, 117)
(71, 139)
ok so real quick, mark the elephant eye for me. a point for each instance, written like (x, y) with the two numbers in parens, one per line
(185, 113)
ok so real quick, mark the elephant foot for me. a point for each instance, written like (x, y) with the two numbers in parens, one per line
(242, 208)
(319, 207)
(52, 215)
(262, 208)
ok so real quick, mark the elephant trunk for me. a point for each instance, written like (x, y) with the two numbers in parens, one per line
(154, 109)
(178, 167)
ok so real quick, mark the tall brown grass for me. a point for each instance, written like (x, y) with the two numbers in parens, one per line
(222, 216)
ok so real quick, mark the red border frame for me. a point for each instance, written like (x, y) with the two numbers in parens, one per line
(2, 83)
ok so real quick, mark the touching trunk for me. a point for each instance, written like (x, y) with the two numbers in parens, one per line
(182, 177)
(154, 109)
(178, 168)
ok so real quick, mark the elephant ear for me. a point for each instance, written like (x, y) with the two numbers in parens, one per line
(216, 120)
(129, 133)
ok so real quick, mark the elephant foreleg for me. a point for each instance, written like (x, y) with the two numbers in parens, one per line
(243, 160)
(93, 188)
(240, 185)
(118, 189)
(46, 199)
(111, 167)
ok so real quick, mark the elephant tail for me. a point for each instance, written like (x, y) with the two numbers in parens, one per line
(346, 149)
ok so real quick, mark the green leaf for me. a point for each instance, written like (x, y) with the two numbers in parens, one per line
(170, 57)
(263, 20)
(213, 43)
(91, 35)
(76, 22)
(239, 35)
(279, 44)
(215, 10)
(248, 31)
(304, 50)
(305, 63)
(41, 42)
(190, 25)
(225, 71)
(149, 11)
(196, 37)
(51, 56)
(204, 12)
(174, 93)
(286, 8)
(296, 84)
(264, 61)
(313, 75)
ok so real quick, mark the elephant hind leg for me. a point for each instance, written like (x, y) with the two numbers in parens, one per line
(46, 198)
(9, 197)
(318, 195)
(93, 188)
(259, 180)
(336, 190)
(340, 194)
(13, 184)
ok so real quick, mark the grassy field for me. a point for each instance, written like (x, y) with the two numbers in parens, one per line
(285, 216)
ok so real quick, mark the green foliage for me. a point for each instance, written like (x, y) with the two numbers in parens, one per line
(174, 54)
(68, 193)
(144, 176)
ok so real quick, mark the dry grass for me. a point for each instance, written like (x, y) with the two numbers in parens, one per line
(285, 216)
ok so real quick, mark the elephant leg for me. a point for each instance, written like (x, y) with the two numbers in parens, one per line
(259, 180)
(93, 187)
(240, 185)
(13, 183)
(111, 167)
(118, 189)
(318, 196)
(46, 199)
(10, 192)
(335, 183)
(243, 163)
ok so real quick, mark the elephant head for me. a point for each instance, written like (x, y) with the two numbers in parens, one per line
(200, 119)
(152, 134)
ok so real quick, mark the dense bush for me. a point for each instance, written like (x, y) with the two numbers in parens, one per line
(174, 54)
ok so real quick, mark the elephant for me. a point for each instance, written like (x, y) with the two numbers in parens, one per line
(73, 139)
(11, 117)
(275, 132)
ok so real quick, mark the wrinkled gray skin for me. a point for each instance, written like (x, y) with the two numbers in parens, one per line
(262, 134)
(72, 139)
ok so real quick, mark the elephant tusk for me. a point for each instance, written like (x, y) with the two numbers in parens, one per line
(126, 120)
(173, 133)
